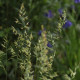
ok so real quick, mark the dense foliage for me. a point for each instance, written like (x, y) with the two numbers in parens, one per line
(39, 40)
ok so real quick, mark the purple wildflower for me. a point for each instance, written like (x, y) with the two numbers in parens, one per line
(39, 33)
(49, 14)
(60, 11)
(67, 24)
(77, 1)
(49, 45)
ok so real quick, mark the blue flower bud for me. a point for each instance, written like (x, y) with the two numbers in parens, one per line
(49, 14)
(60, 11)
(77, 1)
(39, 33)
(67, 24)
(49, 45)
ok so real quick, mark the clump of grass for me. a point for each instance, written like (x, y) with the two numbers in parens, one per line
(43, 67)
(23, 46)
(45, 53)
